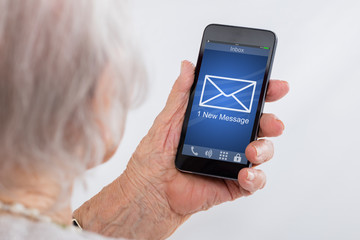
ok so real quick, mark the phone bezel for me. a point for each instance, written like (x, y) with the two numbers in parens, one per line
(231, 34)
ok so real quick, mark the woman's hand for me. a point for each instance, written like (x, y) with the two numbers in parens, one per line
(160, 197)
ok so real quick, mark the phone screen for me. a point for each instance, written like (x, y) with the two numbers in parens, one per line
(226, 100)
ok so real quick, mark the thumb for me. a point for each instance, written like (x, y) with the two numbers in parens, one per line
(179, 94)
(185, 80)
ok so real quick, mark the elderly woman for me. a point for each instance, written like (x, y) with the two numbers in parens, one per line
(67, 79)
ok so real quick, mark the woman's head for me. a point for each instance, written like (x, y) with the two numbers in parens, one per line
(67, 79)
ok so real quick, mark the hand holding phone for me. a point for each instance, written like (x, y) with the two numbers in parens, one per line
(173, 196)
(226, 100)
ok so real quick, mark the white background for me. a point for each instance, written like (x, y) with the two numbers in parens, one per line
(313, 181)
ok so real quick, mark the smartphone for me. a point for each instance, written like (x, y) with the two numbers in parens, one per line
(226, 100)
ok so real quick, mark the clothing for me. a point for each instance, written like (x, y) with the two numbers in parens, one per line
(19, 228)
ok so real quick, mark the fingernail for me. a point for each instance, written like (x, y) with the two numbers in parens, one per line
(259, 152)
(287, 83)
(282, 124)
(250, 176)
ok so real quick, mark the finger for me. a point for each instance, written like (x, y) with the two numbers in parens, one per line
(260, 151)
(251, 179)
(276, 90)
(270, 126)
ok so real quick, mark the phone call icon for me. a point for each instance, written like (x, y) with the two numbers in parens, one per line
(193, 151)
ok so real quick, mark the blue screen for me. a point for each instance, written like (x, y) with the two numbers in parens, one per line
(225, 101)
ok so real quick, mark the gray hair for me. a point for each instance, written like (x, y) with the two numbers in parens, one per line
(52, 56)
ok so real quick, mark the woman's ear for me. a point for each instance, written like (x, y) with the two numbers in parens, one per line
(102, 104)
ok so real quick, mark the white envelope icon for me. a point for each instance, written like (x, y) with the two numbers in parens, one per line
(227, 93)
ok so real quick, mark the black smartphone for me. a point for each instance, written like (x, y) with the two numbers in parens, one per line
(226, 100)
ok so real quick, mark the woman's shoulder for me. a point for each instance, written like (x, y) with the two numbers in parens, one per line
(12, 228)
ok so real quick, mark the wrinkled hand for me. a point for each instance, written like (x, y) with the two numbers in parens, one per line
(152, 166)
(152, 198)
